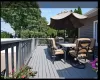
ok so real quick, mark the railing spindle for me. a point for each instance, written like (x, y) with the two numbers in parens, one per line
(17, 56)
(12, 58)
(6, 62)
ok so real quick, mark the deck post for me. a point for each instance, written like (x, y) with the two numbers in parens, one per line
(18, 52)
(12, 58)
(6, 62)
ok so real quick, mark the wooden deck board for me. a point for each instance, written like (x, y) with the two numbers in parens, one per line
(52, 68)
(44, 66)
(42, 63)
(37, 65)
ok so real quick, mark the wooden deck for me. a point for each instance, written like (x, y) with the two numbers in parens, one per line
(42, 63)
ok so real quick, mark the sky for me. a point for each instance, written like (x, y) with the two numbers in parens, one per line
(50, 9)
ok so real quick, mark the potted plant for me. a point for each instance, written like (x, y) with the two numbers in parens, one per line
(25, 72)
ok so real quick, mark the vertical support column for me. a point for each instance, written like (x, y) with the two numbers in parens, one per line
(29, 48)
(20, 61)
(12, 58)
(23, 53)
(6, 62)
(17, 44)
(35, 42)
(32, 46)
(18, 52)
(26, 50)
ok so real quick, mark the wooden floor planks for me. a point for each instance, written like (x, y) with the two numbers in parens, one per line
(42, 63)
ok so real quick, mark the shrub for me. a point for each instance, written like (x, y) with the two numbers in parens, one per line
(25, 34)
(24, 72)
(5, 35)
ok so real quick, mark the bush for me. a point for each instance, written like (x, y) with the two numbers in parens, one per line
(24, 72)
(25, 34)
(5, 35)
(37, 34)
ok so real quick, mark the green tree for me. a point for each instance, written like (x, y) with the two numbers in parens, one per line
(60, 33)
(51, 32)
(21, 15)
(79, 10)
(6, 35)
(75, 11)
(74, 32)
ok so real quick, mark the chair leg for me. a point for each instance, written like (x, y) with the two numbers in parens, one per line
(85, 59)
(54, 58)
(64, 58)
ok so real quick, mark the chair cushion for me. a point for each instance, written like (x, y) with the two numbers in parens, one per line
(59, 51)
(81, 55)
(73, 53)
(83, 39)
(82, 51)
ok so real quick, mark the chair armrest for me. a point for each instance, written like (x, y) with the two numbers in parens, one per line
(72, 48)
(54, 48)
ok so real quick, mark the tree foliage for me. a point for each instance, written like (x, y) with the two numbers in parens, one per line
(79, 10)
(21, 15)
(6, 35)
(51, 32)
(60, 33)
(74, 32)
(25, 18)
(75, 11)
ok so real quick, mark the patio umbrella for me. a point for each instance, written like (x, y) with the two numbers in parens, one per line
(67, 20)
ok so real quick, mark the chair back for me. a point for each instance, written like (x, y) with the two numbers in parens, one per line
(92, 45)
(83, 45)
(53, 43)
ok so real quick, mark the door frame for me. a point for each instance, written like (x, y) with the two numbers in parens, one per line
(95, 29)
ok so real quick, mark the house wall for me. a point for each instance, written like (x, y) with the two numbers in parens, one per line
(87, 30)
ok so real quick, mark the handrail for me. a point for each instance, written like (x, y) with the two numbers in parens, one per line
(24, 49)
(6, 41)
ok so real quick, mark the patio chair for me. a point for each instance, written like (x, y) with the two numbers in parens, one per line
(49, 45)
(55, 50)
(80, 52)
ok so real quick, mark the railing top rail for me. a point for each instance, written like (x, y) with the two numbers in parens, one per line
(41, 38)
(13, 40)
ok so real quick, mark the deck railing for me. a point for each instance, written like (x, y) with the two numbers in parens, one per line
(24, 49)
(41, 41)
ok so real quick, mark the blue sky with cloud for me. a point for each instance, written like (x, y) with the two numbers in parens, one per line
(47, 12)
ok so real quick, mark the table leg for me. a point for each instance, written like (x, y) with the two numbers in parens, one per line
(65, 54)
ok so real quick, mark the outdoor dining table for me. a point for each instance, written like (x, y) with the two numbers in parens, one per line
(66, 45)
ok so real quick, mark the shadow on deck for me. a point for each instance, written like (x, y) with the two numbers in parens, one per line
(42, 63)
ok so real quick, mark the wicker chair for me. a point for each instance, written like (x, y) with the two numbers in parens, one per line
(80, 51)
(55, 50)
